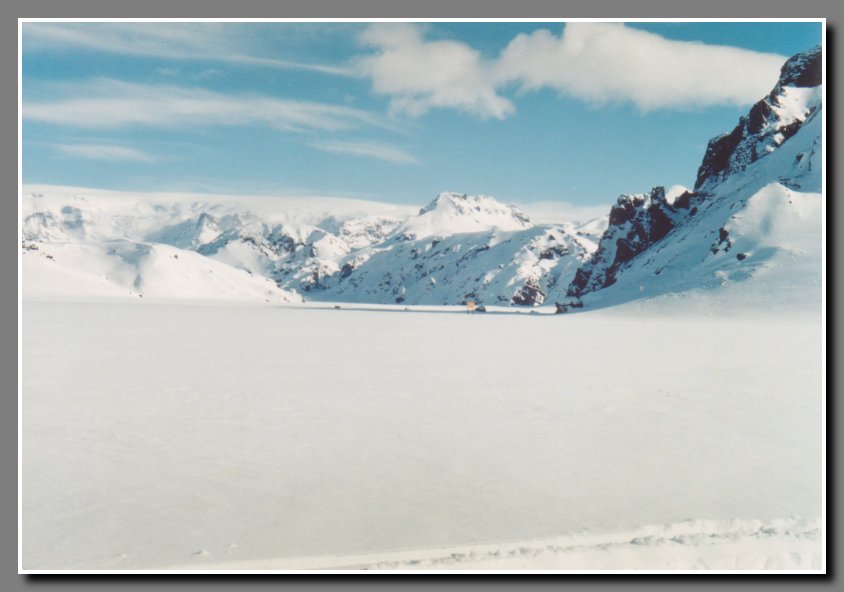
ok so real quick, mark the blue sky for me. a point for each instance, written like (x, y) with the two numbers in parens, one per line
(396, 112)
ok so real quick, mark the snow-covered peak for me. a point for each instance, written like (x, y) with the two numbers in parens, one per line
(458, 213)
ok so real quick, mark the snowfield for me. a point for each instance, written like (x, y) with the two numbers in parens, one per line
(164, 435)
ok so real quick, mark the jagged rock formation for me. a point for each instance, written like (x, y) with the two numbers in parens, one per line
(635, 223)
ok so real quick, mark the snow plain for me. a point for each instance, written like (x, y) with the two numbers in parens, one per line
(169, 435)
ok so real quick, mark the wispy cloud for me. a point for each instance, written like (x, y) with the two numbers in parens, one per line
(107, 152)
(110, 104)
(595, 62)
(598, 63)
(180, 41)
(379, 151)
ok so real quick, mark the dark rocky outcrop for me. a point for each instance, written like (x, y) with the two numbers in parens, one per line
(346, 270)
(804, 69)
(529, 295)
(635, 223)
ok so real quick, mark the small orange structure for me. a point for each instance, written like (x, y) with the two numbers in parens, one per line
(470, 305)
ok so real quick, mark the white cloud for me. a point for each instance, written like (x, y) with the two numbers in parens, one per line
(419, 75)
(609, 62)
(109, 104)
(150, 39)
(222, 42)
(107, 152)
(595, 62)
(368, 150)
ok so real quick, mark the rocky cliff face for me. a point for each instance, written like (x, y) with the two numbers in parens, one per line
(635, 223)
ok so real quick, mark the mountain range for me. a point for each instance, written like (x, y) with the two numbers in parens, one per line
(752, 224)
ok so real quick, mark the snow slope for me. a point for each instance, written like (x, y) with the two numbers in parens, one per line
(126, 269)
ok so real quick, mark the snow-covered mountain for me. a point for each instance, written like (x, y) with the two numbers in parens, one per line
(755, 212)
(456, 248)
(83, 234)
(461, 248)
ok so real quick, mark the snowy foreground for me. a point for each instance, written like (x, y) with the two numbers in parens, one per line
(177, 436)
